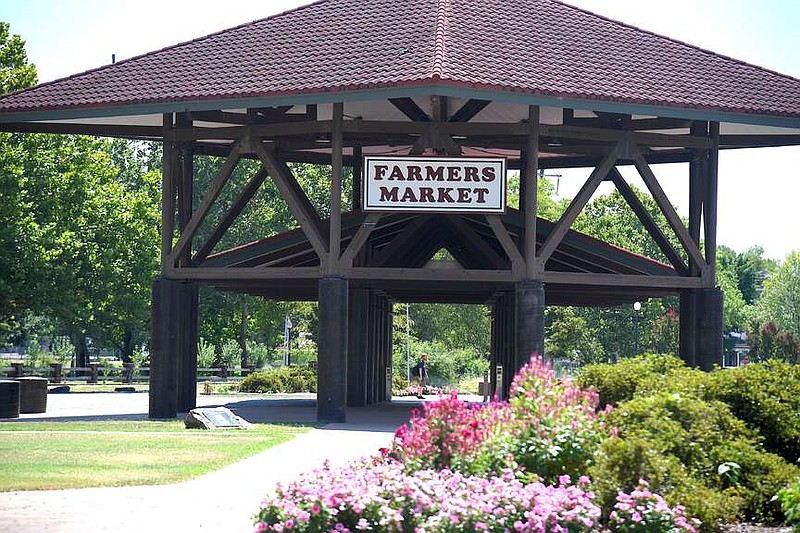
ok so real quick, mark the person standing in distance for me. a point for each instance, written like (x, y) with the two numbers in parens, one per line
(421, 374)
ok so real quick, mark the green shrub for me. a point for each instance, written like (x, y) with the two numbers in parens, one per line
(399, 383)
(767, 397)
(284, 379)
(789, 499)
(678, 442)
(205, 354)
(618, 382)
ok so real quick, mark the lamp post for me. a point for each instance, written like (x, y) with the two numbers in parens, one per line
(408, 346)
(637, 306)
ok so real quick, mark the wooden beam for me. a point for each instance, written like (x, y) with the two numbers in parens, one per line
(532, 265)
(429, 274)
(467, 112)
(500, 231)
(647, 221)
(335, 225)
(238, 273)
(400, 241)
(576, 206)
(409, 108)
(710, 207)
(168, 162)
(475, 241)
(358, 178)
(99, 130)
(758, 141)
(667, 209)
(230, 217)
(298, 202)
(696, 180)
(219, 181)
(359, 239)
(185, 183)
(622, 280)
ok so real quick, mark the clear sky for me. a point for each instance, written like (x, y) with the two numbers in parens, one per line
(758, 189)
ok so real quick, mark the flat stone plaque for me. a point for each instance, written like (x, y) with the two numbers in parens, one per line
(214, 418)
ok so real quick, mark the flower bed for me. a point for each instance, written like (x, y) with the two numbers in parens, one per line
(504, 466)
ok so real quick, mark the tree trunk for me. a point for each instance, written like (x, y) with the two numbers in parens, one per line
(127, 344)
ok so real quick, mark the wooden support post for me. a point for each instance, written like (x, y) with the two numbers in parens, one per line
(687, 334)
(710, 208)
(358, 178)
(335, 233)
(188, 302)
(709, 328)
(332, 350)
(529, 323)
(185, 184)
(532, 266)
(696, 179)
(167, 191)
(357, 347)
(163, 350)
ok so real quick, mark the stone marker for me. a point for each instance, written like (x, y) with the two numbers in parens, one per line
(215, 418)
(61, 389)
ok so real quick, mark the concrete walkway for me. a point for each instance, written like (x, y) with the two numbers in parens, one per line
(220, 502)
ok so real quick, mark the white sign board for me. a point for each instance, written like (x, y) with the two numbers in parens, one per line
(435, 184)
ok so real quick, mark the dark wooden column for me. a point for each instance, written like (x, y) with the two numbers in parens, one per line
(357, 347)
(164, 347)
(187, 340)
(529, 335)
(332, 364)
(687, 336)
(709, 328)
(503, 343)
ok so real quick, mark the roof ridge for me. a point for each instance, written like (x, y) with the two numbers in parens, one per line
(439, 38)
(674, 40)
(170, 47)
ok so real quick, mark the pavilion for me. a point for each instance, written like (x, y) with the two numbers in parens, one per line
(538, 84)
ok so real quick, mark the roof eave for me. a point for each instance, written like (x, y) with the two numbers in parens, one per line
(419, 88)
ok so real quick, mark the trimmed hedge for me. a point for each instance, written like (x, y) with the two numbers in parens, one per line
(283, 379)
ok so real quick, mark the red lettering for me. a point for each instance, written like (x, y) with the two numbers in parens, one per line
(426, 194)
(380, 170)
(471, 174)
(453, 174)
(397, 174)
(414, 173)
(444, 195)
(409, 196)
(481, 195)
(463, 195)
(434, 173)
(388, 194)
(488, 174)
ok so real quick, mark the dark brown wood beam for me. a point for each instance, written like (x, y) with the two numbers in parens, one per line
(400, 241)
(409, 108)
(578, 203)
(214, 190)
(511, 250)
(758, 141)
(169, 161)
(335, 221)
(232, 274)
(98, 130)
(468, 111)
(231, 215)
(647, 221)
(301, 208)
(430, 274)
(667, 209)
(696, 180)
(710, 207)
(358, 240)
(622, 280)
(531, 177)
(474, 241)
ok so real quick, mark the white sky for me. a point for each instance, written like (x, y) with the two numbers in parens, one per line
(758, 189)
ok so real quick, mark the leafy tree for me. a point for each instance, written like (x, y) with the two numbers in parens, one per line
(749, 269)
(780, 301)
(568, 335)
(15, 71)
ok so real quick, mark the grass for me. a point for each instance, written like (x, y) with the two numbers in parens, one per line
(65, 455)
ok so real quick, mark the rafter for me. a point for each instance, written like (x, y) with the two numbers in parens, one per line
(296, 199)
(409, 108)
(576, 206)
(217, 184)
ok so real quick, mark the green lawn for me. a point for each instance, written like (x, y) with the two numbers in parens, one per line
(39, 456)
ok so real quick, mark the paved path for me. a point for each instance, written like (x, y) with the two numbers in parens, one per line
(219, 502)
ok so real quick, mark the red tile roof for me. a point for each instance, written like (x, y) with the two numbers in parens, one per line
(536, 47)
